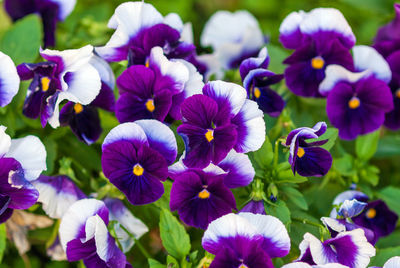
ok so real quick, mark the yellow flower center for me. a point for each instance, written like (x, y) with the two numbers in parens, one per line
(209, 135)
(243, 266)
(300, 152)
(147, 63)
(45, 81)
(354, 103)
(138, 170)
(78, 108)
(257, 92)
(150, 105)
(371, 213)
(204, 194)
(317, 63)
(397, 94)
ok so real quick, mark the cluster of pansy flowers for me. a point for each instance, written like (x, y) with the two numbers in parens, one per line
(167, 82)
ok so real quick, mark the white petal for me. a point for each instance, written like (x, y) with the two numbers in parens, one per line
(95, 227)
(211, 168)
(104, 69)
(297, 265)
(174, 21)
(334, 224)
(31, 153)
(5, 141)
(65, 7)
(317, 250)
(241, 164)
(393, 262)
(9, 80)
(292, 22)
(195, 82)
(367, 58)
(213, 64)
(125, 131)
(187, 33)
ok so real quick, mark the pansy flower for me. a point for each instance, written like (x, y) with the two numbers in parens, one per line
(347, 195)
(218, 121)
(299, 264)
(321, 37)
(66, 75)
(84, 235)
(306, 158)
(51, 11)
(9, 80)
(357, 102)
(254, 206)
(393, 262)
(392, 118)
(135, 158)
(257, 81)
(21, 161)
(84, 120)
(246, 240)
(138, 28)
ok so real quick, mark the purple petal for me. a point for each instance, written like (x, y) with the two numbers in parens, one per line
(239, 168)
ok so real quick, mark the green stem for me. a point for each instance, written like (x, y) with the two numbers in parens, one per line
(137, 242)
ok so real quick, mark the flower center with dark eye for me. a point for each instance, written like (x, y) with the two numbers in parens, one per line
(150, 105)
(354, 103)
(397, 93)
(204, 194)
(78, 108)
(371, 213)
(317, 63)
(300, 152)
(138, 170)
(256, 92)
(45, 82)
(209, 135)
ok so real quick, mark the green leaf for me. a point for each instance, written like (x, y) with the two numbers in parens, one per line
(344, 165)
(172, 262)
(163, 202)
(280, 210)
(287, 176)
(391, 195)
(264, 155)
(370, 174)
(155, 264)
(388, 146)
(22, 41)
(3, 236)
(367, 145)
(173, 235)
(382, 255)
(296, 197)
(331, 135)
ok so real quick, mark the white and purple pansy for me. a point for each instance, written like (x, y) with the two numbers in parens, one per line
(66, 75)
(351, 208)
(347, 195)
(321, 37)
(246, 240)
(393, 262)
(9, 80)
(21, 161)
(349, 248)
(300, 264)
(218, 121)
(121, 214)
(306, 158)
(84, 235)
(138, 28)
(51, 12)
(135, 158)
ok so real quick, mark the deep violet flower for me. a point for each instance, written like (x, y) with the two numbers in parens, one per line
(320, 37)
(246, 240)
(138, 28)
(257, 81)
(220, 120)
(307, 159)
(21, 161)
(254, 206)
(392, 118)
(135, 158)
(66, 75)
(84, 235)
(51, 11)
(9, 80)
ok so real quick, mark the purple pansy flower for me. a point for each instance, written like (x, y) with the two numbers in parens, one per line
(320, 37)
(138, 28)
(121, 214)
(9, 80)
(351, 208)
(347, 195)
(21, 161)
(348, 248)
(84, 120)
(254, 206)
(246, 240)
(135, 159)
(84, 235)
(51, 11)
(66, 75)
(257, 81)
(357, 102)
(307, 159)
(300, 264)
(220, 120)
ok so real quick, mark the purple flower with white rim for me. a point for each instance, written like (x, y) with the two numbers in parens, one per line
(21, 161)
(121, 214)
(233, 37)
(9, 80)
(84, 120)
(135, 159)
(147, 92)
(306, 158)
(392, 119)
(246, 240)
(66, 75)
(347, 248)
(57, 194)
(51, 11)
(306, 265)
(138, 28)
(257, 81)
(84, 235)
(347, 195)
(351, 208)
(220, 120)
